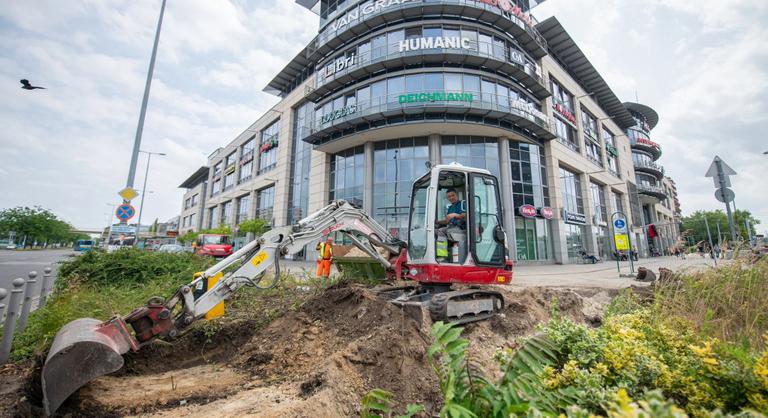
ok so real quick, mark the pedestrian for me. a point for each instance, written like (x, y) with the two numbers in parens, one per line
(324, 258)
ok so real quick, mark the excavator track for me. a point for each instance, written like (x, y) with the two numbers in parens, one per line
(464, 306)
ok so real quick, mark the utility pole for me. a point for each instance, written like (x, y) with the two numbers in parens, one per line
(721, 178)
(140, 128)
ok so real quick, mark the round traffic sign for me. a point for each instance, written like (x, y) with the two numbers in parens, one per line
(125, 212)
(725, 195)
(619, 223)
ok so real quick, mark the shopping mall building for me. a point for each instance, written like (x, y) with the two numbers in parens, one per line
(390, 86)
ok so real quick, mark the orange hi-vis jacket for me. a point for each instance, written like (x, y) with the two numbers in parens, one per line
(326, 251)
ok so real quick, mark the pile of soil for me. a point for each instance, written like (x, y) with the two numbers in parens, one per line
(318, 360)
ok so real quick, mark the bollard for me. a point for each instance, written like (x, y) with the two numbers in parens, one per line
(10, 321)
(27, 305)
(3, 294)
(45, 287)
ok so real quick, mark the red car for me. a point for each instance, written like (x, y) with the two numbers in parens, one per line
(215, 245)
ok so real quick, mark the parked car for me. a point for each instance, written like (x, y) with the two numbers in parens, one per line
(171, 248)
(216, 245)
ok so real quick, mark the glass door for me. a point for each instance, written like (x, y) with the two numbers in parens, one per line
(487, 234)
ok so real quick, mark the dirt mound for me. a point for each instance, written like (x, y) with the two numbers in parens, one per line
(318, 360)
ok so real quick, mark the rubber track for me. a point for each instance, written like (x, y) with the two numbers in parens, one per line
(438, 305)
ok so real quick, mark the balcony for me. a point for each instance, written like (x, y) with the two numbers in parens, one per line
(646, 144)
(479, 54)
(425, 107)
(650, 167)
(654, 191)
(360, 20)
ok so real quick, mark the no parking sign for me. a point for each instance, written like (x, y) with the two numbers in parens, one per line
(125, 212)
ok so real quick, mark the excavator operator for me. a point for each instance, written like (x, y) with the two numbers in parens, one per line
(457, 211)
(452, 231)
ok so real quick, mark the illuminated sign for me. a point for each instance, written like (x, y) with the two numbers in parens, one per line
(546, 212)
(338, 65)
(340, 113)
(574, 218)
(438, 96)
(365, 10)
(527, 211)
(565, 113)
(416, 44)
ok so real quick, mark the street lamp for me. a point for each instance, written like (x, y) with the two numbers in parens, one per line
(143, 192)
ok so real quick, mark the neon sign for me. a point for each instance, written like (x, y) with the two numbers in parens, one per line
(438, 96)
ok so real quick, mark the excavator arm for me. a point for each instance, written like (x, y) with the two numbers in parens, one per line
(88, 348)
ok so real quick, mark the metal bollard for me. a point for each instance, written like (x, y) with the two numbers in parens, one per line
(10, 321)
(3, 294)
(27, 304)
(45, 287)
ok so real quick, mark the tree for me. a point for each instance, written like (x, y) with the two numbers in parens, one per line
(256, 226)
(35, 225)
(694, 226)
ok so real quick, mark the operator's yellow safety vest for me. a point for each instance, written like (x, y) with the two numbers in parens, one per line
(326, 251)
(442, 248)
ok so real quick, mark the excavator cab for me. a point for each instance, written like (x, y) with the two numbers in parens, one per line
(455, 225)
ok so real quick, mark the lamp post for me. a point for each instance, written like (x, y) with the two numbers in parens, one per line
(144, 193)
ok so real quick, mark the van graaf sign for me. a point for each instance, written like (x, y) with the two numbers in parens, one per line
(438, 96)
(362, 12)
(437, 42)
(340, 113)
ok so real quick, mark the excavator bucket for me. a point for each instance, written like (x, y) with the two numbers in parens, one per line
(83, 350)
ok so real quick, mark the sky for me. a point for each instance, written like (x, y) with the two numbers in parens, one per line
(701, 64)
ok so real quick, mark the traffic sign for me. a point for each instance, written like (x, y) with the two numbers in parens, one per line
(125, 212)
(622, 242)
(713, 170)
(619, 225)
(128, 193)
(725, 195)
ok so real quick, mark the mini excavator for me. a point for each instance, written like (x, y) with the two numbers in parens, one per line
(444, 247)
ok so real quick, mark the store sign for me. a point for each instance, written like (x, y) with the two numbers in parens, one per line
(435, 42)
(546, 212)
(524, 106)
(516, 56)
(510, 8)
(338, 65)
(574, 218)
(340, 113)
(527, 211)
(565, 113)
(647, 142)
(362, 12)
(438, 96)
(622, 242)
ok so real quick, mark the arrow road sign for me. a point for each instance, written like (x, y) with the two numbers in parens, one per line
(125, 212)
(725, 195)
(713, 170)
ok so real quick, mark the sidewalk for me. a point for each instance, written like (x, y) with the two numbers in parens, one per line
(603, 275)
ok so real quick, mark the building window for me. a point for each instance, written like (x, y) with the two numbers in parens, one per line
(194, 199)
(347, 176)
(266, 201)
(598, 201)
(529, 187)
(246, 160)
(268, 147)
(612, 153)
(561, 96)
(226, 213)
(533, 239)
(594, 152)
(217, 169)
(301, 160)
(572, 197)
(246, 171)
(589, 124)
(471, 151)
(216, 188)
(229, 171)
(396, 164)
(243, 206)
(213, 217)
(191, 220)
(566, 135)
(188, 203)
(574, 239)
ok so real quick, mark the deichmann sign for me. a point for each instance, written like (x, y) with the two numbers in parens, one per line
(438, 96)
(574, 218)
(340, 113)
(436, 42)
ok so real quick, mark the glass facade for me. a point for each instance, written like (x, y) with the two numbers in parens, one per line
(573, 202)
(243, 206)
(471, 151)
(226, 213)
(265, 199)
(301, 161)
(396, 164)
(348, 176)
(530, 187)
(268, 147)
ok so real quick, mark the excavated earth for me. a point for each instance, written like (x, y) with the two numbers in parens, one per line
(316, 361)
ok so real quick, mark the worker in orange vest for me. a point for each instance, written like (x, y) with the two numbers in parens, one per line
(324, 258)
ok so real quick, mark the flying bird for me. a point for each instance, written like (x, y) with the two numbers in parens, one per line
(27, 86)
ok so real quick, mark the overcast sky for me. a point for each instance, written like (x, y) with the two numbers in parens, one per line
(702, 64)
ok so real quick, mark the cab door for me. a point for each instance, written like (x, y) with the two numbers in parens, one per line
(487, 236)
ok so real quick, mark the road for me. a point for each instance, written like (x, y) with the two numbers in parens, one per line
(15, 264)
